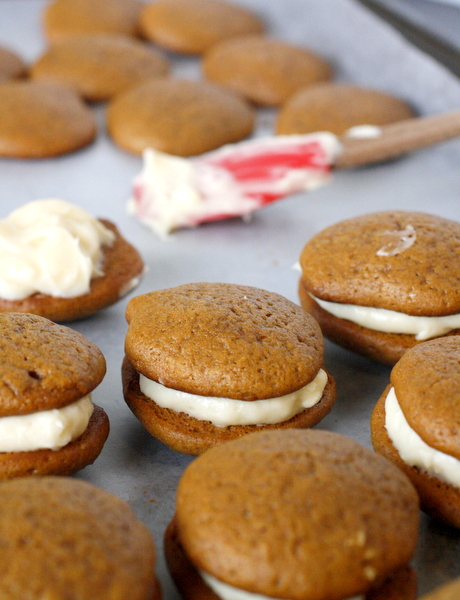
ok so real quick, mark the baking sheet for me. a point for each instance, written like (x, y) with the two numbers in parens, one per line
(262, 252)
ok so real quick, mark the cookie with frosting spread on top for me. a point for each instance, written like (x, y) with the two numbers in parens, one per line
(208, 362)
(11, 65)
(300, 514)
(62, 537)
(98, 66)
(66, 18)
(178, 117)
(60, 262)
(48, 422)
(383, 282)
(338, 108)
(265, 70)
(416, 424)
(194, 26)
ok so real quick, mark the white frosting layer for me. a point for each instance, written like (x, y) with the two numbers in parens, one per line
(413, 450)
(223, 412)
(51, 247)
(390, 321)
(229, 592)
(364, 132)
(47, 429)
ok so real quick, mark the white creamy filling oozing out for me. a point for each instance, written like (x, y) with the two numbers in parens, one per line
(47, 429)
(413, 450)
(229, 592)
(223, 412)
(50, 247)
(390, 321)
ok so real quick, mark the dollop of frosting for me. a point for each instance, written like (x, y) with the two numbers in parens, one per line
(51, 247)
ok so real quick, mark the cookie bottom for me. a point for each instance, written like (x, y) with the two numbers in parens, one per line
(437, 498)
(192, 436)
(386, 348)
(401, 585)
(121, 266)
(69, 459)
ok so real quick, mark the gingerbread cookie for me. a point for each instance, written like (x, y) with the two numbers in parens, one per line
(48, 423)
(380, 283)
(206, 363)
(61, 263)
(300, 514)
(98, 66)
(267, 71)
(415, 424)
(42, 119)
(178, 117)
(65, 538)
(338, 108)
(65, 18)
(193, 26)
(11, 65)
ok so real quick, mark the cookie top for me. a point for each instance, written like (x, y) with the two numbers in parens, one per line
(267, 71)
(64, 18)
(72, 540)
(324, 517)
(337, 107)
(193, 26)
(98, 66)
(399, 260)
(178, 117)
(44, 365)
(11, 65)
(427, 384)
(225, 340)
(42, 119)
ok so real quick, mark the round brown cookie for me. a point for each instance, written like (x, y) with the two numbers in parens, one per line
(178, 117)
(64, 18)
(98, 66)
(193, 26)
(220, 341)
(42, 119)
(448, 591)
(266, 71)
(426, 381)
(65, 538)
(122, 267)
(11, 65)
(402, 261)
(338, 107)
(45, 366)
(324, 518)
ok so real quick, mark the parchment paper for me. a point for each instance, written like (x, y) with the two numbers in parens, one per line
(262, 252)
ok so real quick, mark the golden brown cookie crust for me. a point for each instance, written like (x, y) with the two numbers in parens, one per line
(265, 70)
(337, 107)
(42, 119)
(178, 117)
(44, 365)
(98, 66)
(11, 65)
(71, 458)
(448, 591)
(342, 264)
(122, 269)
(273, 543)
(437, 498)
(189, 435)
(193, 26)
(72, 539)
(235, 341)
(65, 18)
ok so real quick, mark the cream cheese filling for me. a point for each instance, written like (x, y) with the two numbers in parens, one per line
(413, 450)
(223, 412)
(390, 321)
(229, 592)
(47, 429)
